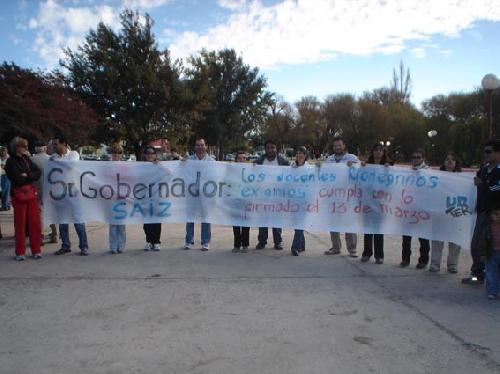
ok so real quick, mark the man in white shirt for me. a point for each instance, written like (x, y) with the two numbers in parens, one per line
(63, 153)
(340, 156)
(200, 154)
(272, 158)
(40, 159)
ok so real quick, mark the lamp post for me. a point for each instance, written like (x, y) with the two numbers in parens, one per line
(490, 82)
(431, 134)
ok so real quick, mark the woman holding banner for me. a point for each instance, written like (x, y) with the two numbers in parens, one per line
(117, 236)
(299, 241)
(378, 156)
(451, 164)
(22, 172)
(152, 230)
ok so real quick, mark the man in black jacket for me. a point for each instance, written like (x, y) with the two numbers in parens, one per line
(487, 181)
(272, 158)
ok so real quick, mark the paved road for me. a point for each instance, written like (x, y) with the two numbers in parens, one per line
(179, 311)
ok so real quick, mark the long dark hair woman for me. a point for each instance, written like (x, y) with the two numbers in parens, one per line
(299, 241)
(22, 173)
(451, 164)
(378, 156)
(151, 230)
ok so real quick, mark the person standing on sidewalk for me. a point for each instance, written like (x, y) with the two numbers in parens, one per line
(378, 156)
(271, 158)
(299, 241)
(22, 172)
(451, 164)
(487, 181)
(4, 180)
(117, 235)
(488, 246)
(40, 159)
(200, 155)
(340, 156)
(417, 163)
(151, 230)
(62, 153)
(241, 234)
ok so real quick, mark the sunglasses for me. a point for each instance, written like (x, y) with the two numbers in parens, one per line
(416, 157)
(488, 151)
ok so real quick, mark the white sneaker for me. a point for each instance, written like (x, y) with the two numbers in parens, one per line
(188, 246)
(148, 247)
(205, 247)
(20, 258)
(156, 247)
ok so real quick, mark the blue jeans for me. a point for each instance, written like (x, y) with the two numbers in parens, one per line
(80, 230)
(262, 238)
(5, 184)
(299, 241)
(493, 273)
(206, 233)
(117, 237)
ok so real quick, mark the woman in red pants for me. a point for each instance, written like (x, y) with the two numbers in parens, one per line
(22, 173)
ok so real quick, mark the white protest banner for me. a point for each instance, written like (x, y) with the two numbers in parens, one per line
(334, 197)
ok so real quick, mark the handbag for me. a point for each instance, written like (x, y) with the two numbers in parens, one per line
(25, 193)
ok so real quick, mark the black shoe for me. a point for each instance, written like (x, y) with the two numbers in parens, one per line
(62, 251)
(404, 264)
(421, 265)
(473, 280)
(365, 258)
(260, 246)
(278, 246)
(295, 252)
(379, 261)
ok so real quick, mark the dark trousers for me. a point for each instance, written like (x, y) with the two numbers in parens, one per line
(241, 236)
(371, 241)
(424, 250)
(263, 234)
(153, 232)
(477, 268)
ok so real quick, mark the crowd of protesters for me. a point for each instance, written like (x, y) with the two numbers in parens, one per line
(21, 185)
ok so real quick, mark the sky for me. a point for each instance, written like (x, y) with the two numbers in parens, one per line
(302, 47)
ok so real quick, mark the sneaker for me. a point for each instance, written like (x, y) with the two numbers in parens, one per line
(235, 250)
(353, 254)
(365, 258)
(278, 246)
(188, 246)
(156, 247)
(205, 247)
(244, 250)
(120, 250)
(20, 258)
(404, 264)
(148, 247)
(473, 280)
(295, 252)
(492, 297)
(332, 251)
(114, 251)
(420, 266)
(434, 269)
(452, 270)
(62, 251)
(260, 246)
(379, 261)
(84, 252)
(37, 256)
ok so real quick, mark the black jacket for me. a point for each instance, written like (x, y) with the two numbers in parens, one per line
(281, 160)
(16, 166)
(488, 192)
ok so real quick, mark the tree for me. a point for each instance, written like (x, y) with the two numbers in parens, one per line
(401, 83)
(232, 99)
(39, 106)
(133, 85)
(310, 127)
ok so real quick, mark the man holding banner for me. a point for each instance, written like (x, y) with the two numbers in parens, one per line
(340, 156)
(200, 154)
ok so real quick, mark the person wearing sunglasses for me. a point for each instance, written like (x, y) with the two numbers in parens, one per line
(22, 173)
(417, 163)
(487, 182)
